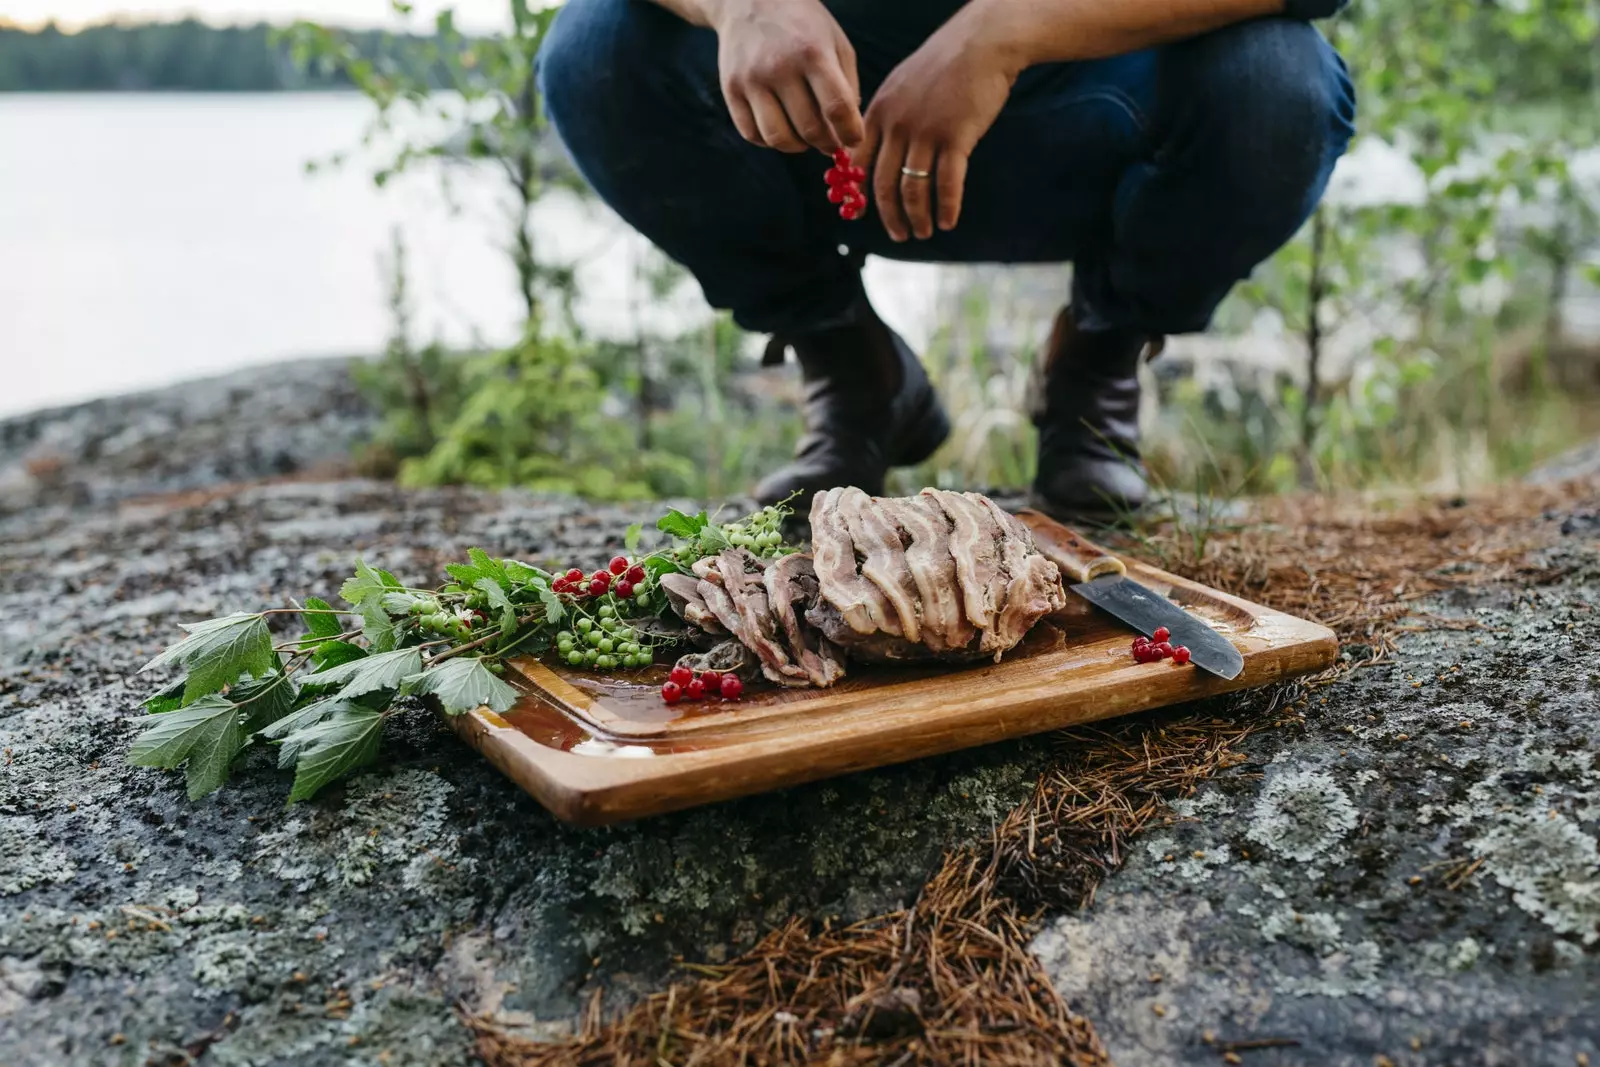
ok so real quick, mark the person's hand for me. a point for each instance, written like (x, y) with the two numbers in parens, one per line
(928, 116)
(788, 74)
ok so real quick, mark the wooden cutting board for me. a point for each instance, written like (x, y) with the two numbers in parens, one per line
(603, 748)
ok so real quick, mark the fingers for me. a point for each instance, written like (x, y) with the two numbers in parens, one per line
(805, 116)
(916, 194)
(950, 185)
(836, 100)
(744, 120)
(773, 123)
(886, 185)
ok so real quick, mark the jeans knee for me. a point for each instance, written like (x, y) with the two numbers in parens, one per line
(1272, 89)
(589, 45)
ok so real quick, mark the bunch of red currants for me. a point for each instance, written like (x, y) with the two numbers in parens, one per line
(844, 185)
(684, 684)
(621, 578)
(1158, 647)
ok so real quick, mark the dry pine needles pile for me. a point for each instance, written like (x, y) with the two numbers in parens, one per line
(950, 980)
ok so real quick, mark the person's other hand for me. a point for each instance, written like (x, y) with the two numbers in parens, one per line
(928, 116)
(788, 74)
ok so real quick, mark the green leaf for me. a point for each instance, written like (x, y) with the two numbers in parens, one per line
(676, 524)
(299, 720)
(323, 626)
(487, 568)
(554, 609)
(463, 684)
(327, 750)
(207, 734)
(656, 566)
(465, 573)
(263, 701)
(399, 603)
(630, 540)
(376, 626)
(335, 653)
(367, 584)
(218, 651)
(387, 670)
(495, 592)
(167, 698)
(521, 573)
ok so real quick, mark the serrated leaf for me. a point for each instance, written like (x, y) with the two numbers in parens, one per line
(520, 572)
(464, 573)
(463, 684)
(376, 626)
(630, 540)
(331, 654)
(390, 580)
(218, 651)
(347, 739)
(366, 585)
(319, 625)
(385, 671)
(263, 701)
(399, 603)
(676, 524)
(167, 698)
(656, 566)
(205, 737)
(487, 567)
(167, 742)
(494, 591)
(299, 720)
(554, 609)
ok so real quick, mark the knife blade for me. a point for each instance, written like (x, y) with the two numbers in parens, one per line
(1102, 580)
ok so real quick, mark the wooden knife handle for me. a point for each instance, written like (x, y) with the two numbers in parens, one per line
(1080, 559)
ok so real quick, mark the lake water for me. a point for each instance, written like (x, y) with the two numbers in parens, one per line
(146, 238)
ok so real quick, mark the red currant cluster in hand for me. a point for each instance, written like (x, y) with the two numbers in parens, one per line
(684, 684)
(844, 185)
(621, 578)
(1158, 647)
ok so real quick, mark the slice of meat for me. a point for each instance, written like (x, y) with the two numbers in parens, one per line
(721, 605)
(975, 551)
(786, 583)
(741, 580)
(883, 557)
(857, 600)
(1034, 583)
(928, 557)
(864, 648)
(687, 602)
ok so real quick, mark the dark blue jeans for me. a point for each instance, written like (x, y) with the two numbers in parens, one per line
(1165, 176)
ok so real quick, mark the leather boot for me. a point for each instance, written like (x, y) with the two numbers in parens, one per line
(868, 406)
(1086, 406)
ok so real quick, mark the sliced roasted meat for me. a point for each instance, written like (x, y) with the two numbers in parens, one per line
(1034, 583)
(786, 583)
(929, 562)
(883, 556)
(727, 657)
(687, 602)
(975, 551)
(859, 602)
(741, 573)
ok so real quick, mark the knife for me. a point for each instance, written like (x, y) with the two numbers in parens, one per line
(1102, 580)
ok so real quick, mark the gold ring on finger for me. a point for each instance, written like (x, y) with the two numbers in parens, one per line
(912, 172)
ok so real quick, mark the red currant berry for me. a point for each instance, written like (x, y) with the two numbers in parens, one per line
(835, 195)
(841, 156)
(681, 675)
(1180, 655)
(573, 575)
(598, 586)
(619, 564)
(849, 212)
(712, 680)
(695, 690)
(732, 688)
(636, 574)
(624, 588)
(1161, 634)
(1162, 649)
(855, 174)
(671, 692)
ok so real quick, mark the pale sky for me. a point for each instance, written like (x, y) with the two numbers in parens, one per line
(470, 14)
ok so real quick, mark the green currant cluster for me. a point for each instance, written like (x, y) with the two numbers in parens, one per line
(759, 533)
(431, 617)
(605, 642)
